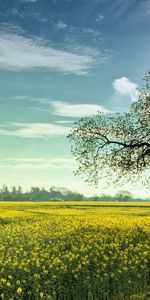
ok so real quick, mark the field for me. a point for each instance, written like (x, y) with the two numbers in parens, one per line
(74, 251)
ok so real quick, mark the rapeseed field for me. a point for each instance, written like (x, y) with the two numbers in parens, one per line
(74, 251)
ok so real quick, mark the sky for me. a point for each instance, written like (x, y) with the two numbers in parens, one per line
(61, 60)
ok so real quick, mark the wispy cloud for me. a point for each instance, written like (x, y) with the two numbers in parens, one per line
(12, 12)
(64, 121)
(95, 33)
(29, 1)
(61, 108)
(37, 163)
(75, 110)
(18, 52)
(125, 87)
(118, 9)
(41, 100)
(129, 11)
(33, 130)
(140, 12)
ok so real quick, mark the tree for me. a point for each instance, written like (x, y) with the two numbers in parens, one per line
(124, 196)
(115, 145)
(5, 192)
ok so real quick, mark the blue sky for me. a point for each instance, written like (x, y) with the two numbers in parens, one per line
(61, 60)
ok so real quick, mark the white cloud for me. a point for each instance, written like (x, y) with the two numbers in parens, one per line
(29, 98)
(18, 52)
(75, 110)
(64, 121)
(61, 25)
(29, 0)
(125, 87)
(99, 18)
(33, 130)
(37, 163)
(94, 32)
(60, 108)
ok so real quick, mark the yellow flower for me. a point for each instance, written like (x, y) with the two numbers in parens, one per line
(19, 290)
(41, 294)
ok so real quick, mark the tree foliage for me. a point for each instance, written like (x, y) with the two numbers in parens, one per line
(115, 145)
(123, 196)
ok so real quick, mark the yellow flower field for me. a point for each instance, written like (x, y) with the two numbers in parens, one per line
(74, 250)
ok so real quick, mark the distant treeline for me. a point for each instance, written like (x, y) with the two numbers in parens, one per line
(58, 194)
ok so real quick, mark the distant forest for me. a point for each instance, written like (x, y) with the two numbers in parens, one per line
(59, 194)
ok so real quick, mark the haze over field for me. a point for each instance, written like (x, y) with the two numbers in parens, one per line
(61, 60)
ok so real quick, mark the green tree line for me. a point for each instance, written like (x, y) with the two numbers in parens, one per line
(58, 194)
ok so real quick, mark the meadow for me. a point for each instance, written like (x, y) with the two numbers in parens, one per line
(74, 251)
